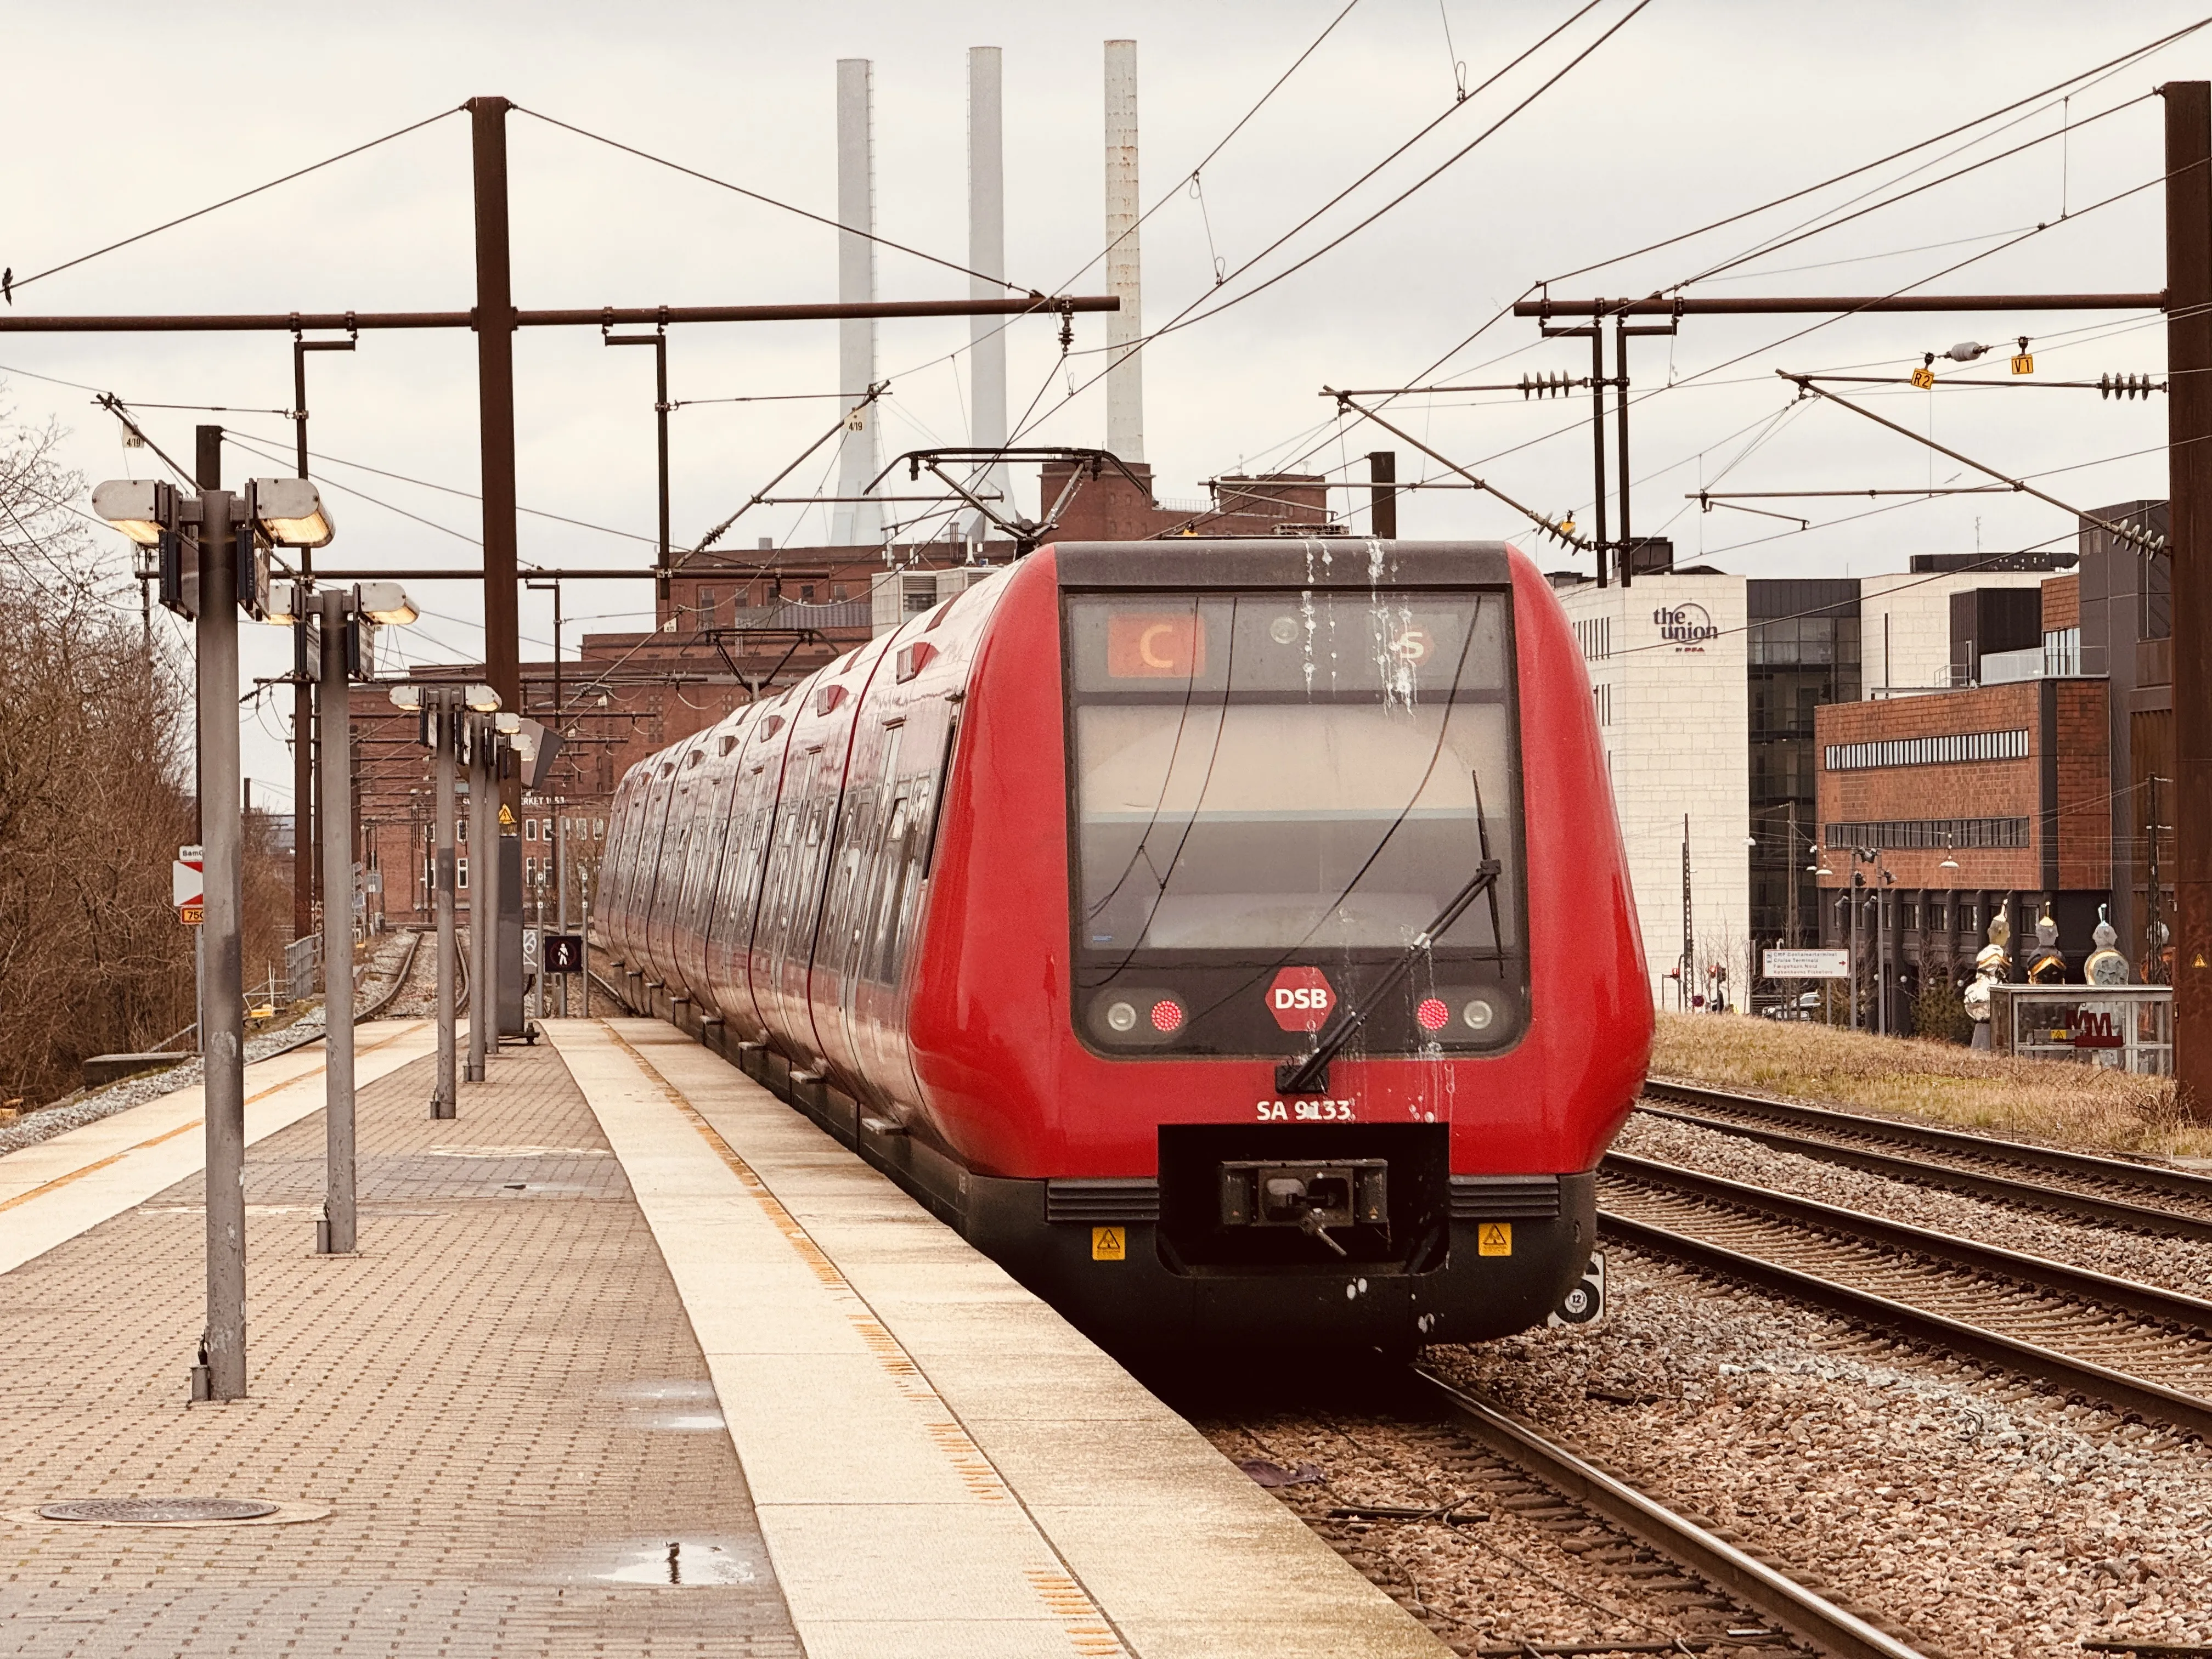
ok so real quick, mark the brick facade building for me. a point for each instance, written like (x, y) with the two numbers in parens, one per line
(1939, 809)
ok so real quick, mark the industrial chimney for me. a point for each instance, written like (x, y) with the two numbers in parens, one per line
(986, 253)
(1125, 372)
(860, 454)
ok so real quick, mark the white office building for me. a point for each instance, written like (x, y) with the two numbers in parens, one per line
(1666, 660)
(1704, 684)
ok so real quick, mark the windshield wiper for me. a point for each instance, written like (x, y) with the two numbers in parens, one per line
(1310, 1076)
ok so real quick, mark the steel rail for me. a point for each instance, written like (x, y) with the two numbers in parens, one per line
(2083, 1283)
(2115, 1389)
(1935, 1140)
(2002, 1189)
(1810, 1617)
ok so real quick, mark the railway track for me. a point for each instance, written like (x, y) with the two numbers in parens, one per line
(1792, 1608)
(1503, 1507)
(2133, 1348)
(366, 1010)
(2143, 1197)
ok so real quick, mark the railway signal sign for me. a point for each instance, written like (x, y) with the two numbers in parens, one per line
(186, 890)
(564, 953)
(1300, 999)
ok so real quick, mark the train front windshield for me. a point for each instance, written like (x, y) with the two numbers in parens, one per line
(1285, 774)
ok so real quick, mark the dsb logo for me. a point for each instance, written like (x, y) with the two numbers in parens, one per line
(1300, 998)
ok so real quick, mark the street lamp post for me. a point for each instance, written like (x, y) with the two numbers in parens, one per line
(445, 710)
(483, 904)
(228, 573)
(345, 617)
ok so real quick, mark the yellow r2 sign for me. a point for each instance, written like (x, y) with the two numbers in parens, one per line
(1494, 1239)
(1108, 1245)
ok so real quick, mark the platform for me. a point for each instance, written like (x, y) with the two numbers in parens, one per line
(634, 1360)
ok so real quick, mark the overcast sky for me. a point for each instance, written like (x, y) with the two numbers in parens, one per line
(119, 116)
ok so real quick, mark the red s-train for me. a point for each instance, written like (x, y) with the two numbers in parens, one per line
(1231, 937)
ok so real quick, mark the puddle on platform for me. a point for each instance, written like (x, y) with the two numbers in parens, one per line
(671, 1391)
(677, 1564)
(677, 1405)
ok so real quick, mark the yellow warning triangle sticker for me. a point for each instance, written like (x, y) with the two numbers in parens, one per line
(2199, 961)
(507, 817)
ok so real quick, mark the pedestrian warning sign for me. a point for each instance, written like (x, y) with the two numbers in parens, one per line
(1494, 1239)
(1108, 1245)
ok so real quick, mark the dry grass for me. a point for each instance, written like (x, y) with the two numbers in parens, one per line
(2051, 1101)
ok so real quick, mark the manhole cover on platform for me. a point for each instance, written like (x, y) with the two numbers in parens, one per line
(141, 1511)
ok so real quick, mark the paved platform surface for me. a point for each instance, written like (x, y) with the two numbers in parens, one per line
(499, 1401)
(635, 1360)
(942, 1465)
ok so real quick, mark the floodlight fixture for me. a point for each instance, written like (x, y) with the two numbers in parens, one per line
(481, 699)
(290, 511)
(386, 603)
(408, 696)
(142, 508)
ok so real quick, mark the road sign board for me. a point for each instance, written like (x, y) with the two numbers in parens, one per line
(1807, 965)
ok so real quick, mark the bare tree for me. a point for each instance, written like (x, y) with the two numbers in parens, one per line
(95, 791)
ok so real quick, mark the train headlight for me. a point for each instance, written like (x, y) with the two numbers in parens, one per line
(1284, 630)
(1479, 1014)
(1121, 1017)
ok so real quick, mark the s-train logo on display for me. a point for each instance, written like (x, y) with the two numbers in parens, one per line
(1689, 626)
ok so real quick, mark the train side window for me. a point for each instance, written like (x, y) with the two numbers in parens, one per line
(937, 801)
(891, 864)
(907, 885)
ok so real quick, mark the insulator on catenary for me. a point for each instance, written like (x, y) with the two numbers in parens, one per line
(1546, 384)
(2125, 386)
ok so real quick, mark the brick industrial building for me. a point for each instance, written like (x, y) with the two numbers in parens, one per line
(2042, 781)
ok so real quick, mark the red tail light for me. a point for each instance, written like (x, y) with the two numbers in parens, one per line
(1167, 1015)
(1432, 1014)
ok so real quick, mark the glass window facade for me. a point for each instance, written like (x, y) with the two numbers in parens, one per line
(1803, 651)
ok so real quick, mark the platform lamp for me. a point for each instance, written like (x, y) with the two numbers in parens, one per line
(344, 621)
(442, 709)
(213, 546)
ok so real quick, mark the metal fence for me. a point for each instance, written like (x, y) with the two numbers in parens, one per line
(303, 963)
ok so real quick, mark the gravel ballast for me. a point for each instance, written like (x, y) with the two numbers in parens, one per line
(90, 1105)
(1981, 1516)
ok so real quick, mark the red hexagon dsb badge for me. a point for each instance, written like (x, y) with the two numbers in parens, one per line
(1300, 998)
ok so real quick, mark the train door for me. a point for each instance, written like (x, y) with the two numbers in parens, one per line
(709, 847)
(683, 823)
(645, 870)
(780, 900)
(730, 930)
(845, 934)
(614, 865)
